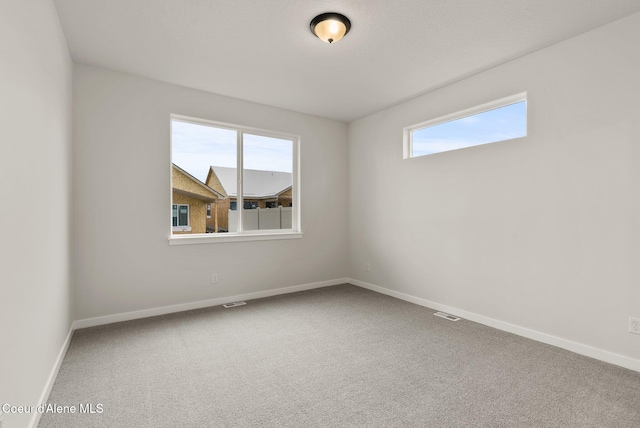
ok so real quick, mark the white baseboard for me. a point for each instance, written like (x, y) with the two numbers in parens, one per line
(35, 418)
(145, 313)
(578, 348)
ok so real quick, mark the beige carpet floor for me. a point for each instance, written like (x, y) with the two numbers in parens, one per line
(333, 357)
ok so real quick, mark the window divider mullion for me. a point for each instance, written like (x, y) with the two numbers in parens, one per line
(240, 178)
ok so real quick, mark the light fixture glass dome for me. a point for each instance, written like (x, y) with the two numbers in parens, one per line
(330, 27)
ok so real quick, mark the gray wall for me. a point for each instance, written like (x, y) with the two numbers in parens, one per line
(35, 124)
(123, 261)
(542, 232)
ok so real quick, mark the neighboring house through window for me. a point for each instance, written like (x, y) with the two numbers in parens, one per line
(262, 189)
(228, 167)
(191, 200)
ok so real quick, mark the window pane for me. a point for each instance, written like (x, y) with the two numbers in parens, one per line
(500, 124)
(205, 178)
(183, 215)
(196, 151)
(267, 175)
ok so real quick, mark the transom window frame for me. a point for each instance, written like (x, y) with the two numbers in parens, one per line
(241, 235)
(482, 108)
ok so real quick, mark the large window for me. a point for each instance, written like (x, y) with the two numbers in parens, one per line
(500, 120)
(222, 167)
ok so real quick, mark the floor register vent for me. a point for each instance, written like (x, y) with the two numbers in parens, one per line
(447, 316)
(234, 304)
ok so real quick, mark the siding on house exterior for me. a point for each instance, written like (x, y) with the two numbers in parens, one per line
(197, 213)
(190, 191)
(214, 183)
(184, 183)
(220, 209)
(286, 198)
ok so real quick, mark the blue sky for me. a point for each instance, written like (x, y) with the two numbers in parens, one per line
(195, 148)
(500, 124)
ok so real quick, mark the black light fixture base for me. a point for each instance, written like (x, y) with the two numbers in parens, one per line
(327, 16)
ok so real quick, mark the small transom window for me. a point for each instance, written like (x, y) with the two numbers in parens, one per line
(501, 120)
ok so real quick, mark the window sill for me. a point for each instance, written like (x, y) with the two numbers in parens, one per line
(181, 228)
(211, 238)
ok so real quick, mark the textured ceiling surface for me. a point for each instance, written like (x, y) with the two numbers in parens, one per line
(263, 51)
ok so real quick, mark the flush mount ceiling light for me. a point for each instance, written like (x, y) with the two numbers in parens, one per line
(330, 27)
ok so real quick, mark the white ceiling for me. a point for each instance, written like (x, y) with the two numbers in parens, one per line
(263, 51)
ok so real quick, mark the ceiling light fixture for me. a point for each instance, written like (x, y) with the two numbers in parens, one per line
(330, 27)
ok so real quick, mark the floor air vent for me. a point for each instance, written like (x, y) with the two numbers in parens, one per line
(447, 316)
(234, 304)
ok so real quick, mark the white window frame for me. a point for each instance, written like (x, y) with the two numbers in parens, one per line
(179, 228)
(208, 208)
(502, 102)
(241, 235)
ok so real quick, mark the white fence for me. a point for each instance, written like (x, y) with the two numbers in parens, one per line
(262, 218)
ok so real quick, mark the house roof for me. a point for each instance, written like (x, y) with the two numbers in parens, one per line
(193, 187)
(257, 183)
